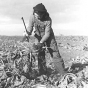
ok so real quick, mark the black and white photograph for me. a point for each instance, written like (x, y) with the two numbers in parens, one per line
(43, 44)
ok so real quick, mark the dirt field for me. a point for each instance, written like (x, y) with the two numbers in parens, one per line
(69, 46)
(73, 49)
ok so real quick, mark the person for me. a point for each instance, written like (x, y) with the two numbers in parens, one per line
(42, 23)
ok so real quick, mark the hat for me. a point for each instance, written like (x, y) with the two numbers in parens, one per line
(40, 7)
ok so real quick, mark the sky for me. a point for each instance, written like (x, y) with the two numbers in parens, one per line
(69, 17)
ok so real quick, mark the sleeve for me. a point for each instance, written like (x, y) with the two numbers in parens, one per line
(31, 24)
(47, 32)
(48, 28)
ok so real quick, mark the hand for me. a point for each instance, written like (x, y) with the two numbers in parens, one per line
(25, 33)
(25, 37)
(38, 46)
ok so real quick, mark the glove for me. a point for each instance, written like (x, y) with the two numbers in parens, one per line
(38, 46)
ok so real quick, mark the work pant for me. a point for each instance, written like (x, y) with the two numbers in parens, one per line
(58, 63)
(54, 53)
(57, 60)
(42, 62)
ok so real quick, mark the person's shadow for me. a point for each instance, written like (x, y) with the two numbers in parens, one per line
(76, 67)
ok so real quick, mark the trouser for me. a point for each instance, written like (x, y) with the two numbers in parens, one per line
(58, 63)
(57, 60)
(42, 62)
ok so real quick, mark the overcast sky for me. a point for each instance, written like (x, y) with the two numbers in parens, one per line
(70, 17)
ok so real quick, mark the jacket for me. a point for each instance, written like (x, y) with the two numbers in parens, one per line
(40, 30)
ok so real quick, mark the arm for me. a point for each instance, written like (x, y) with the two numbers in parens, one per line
(30, 26)
(47, 32)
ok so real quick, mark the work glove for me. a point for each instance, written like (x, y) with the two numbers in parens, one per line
(38, 46)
